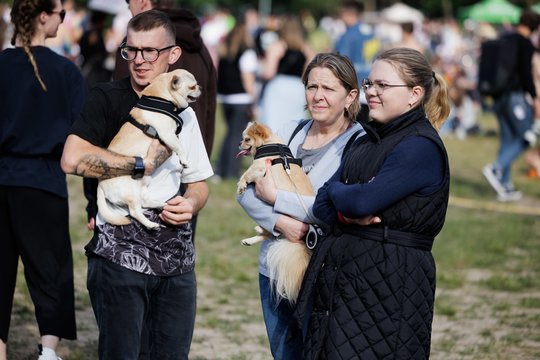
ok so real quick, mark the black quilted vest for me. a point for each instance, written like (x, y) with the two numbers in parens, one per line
(416, 213)
(366, 299)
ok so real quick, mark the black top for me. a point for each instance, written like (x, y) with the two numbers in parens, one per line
(99, 124)
(34, 123)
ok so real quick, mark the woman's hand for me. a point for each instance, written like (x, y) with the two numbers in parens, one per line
(292, 229)
(265, 187)
(363, 221)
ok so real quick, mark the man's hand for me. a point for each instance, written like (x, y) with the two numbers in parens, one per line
(91, 224)
(178, 210)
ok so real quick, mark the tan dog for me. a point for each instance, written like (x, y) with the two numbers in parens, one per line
(287, 260)
(176, 89)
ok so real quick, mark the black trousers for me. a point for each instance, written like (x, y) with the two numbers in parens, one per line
(34, 225)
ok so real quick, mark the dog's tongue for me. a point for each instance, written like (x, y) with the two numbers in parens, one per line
(242, 153)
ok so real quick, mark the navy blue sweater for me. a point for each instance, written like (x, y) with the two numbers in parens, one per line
(415, 165)
(34, 123)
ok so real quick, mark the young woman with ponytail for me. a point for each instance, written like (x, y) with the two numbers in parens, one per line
(41, 94)
(370, 289)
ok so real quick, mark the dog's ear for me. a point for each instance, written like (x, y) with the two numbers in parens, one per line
(262, 131)
(175, 82)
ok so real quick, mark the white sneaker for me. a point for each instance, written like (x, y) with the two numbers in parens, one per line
(510, 194)
(47, 354)
(494, 179)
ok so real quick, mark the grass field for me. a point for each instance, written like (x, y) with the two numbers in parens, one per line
(488, 291)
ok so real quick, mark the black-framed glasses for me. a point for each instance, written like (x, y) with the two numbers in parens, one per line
(61, 13)
(379, 86)
(148, 54)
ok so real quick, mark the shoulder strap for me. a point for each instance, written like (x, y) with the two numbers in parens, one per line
(349, 143)
(298, 128)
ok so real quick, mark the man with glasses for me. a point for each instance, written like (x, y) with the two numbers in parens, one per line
(194, 58)
(142, 282)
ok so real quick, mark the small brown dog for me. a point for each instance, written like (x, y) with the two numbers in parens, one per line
(287, 260)
(157, 110)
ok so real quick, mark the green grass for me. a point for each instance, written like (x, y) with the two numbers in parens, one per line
(488, 270)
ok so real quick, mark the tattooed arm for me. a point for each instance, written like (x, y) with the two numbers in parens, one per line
(84, 159)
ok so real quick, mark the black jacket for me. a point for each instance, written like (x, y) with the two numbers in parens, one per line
(371, 295)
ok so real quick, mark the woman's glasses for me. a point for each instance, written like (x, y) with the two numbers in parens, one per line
(379, 86)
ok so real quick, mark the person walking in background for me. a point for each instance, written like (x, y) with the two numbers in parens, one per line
(330, 90)
(142, 282)
(369, 291)
(514, 112)
(284, 62)
(41, 94)
(237, 70)
(358, 43)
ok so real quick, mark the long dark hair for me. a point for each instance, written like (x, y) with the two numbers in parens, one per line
(23, 17)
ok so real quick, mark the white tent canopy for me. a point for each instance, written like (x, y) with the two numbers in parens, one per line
(400, 13)
(108, 6)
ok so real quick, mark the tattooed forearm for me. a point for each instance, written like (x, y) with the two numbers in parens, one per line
(94, 166)
(162, 154)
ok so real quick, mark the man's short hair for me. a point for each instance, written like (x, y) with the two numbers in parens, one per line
(153, 19)
(529, 19)
(353, 5)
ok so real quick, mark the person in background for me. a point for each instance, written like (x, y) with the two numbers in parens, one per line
(358, 43)
(330, 90)
(237, 70)
(514, 112)
(93, 51)
(142, 282)
(41, 94)
(281, 98)
(370, 289)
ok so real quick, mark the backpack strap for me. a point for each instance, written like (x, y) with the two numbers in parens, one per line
(298, 128)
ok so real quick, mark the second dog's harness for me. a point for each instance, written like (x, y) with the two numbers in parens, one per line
(156, 104)
(285, 155)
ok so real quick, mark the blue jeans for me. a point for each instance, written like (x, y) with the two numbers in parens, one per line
(141, 316)
(515, 116)
(278, 317)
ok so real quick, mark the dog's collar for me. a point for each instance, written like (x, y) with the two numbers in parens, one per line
(166, 107)
(285, 155)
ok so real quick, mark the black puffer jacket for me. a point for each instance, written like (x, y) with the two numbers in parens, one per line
(372, 293)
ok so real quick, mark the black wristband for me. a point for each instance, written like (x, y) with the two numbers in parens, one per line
(138, 169)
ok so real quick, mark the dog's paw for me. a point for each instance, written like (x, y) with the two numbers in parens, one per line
(241, 187)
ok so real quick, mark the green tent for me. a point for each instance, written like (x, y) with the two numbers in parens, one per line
(492, 11)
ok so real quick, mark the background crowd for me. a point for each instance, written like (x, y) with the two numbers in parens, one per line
(259, 62)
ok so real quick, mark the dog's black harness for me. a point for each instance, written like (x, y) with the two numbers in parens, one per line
(285, 155)
(155, 104)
